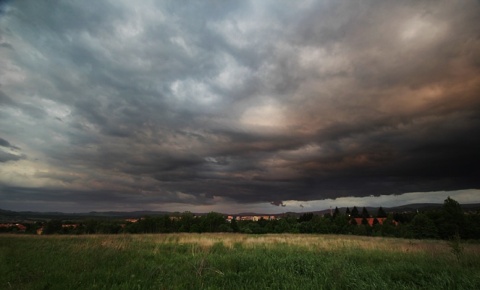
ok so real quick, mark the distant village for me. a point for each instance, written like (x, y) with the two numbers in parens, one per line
(442, 222)
(23, 226)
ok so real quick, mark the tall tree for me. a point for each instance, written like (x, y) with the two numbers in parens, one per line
(234, 225)
(365, 213)
(388, 227)
(381, 213)
(336, 212)
(422, 227)
(452, 219)
(354, 212)
(53, 227)
(365, 221)
(212, 221)
(186, 221)
(353, 222)
(305, 217)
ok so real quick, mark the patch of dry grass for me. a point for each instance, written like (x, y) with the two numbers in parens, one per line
(309, 242)
(312, 242)
(234, 261)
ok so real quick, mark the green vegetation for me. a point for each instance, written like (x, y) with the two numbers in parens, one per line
(449, 223)
(445, 223)
(235, 261)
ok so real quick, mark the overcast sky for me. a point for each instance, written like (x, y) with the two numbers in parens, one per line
(237, 106)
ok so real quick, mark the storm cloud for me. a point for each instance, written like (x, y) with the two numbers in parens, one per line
(123, 105)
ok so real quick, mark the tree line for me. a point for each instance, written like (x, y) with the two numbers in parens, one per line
(444, 223)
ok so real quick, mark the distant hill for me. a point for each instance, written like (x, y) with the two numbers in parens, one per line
(404, 208)
(7, 215)
(30, 215)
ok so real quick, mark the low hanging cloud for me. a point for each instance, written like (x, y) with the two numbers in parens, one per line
(9, 152)
(248, 102)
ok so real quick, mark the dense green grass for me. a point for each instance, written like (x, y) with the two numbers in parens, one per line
(233, 262)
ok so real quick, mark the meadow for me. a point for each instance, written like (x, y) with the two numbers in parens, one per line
(235, 261)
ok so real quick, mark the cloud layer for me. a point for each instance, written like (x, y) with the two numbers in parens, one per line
(140, 105)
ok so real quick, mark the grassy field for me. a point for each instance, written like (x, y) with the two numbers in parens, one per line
(234, 261)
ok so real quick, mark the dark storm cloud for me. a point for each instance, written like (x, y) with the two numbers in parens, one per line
(7, 144)
(73, 200)
(28, 109)
(244, 102)
(5, 155)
